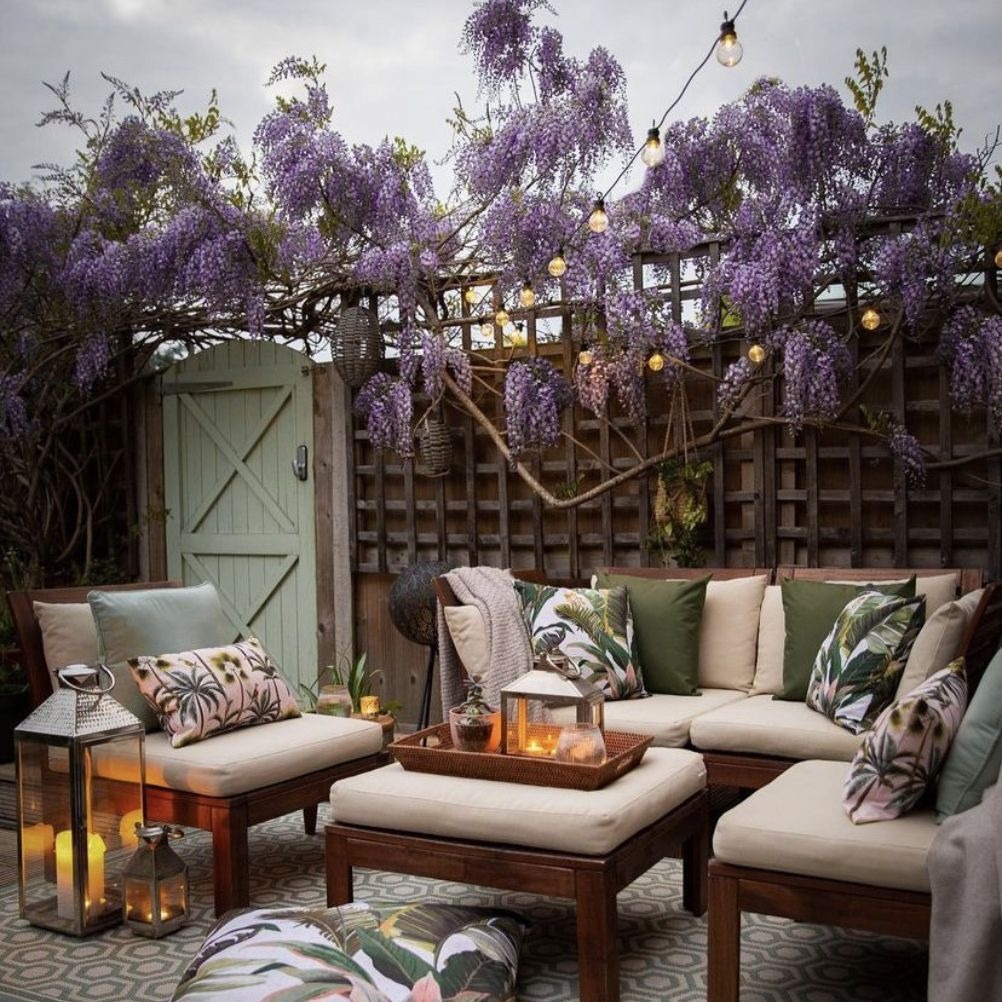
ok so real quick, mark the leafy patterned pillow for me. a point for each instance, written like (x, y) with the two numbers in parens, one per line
(592, 626)
(856, 672)
(197, 694)
(900, 757)
(366, 952)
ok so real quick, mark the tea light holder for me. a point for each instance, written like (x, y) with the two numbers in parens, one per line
(156, 884)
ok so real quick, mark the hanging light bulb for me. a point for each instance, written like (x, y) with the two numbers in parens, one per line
(656, 362)
(653, 152)
(557, 265)
(527, 298)
(756, 354)
(870, 319)
(471, 295)
(598, 221)
(501, 317)
(586, 357)
(517, 338)
(998, 258)
(729, 49)
(487, 329)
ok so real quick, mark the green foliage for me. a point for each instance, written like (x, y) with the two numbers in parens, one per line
(940, 125)
(405, 154)
(350, 673)
(866, 85)
(680, 511)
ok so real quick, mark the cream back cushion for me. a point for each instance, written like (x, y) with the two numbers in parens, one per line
(771, 644)
(937, 588)
(469, 635)
(939, 641)
(728, 633)
(69, 636)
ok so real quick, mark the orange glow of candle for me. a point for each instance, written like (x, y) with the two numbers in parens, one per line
(36, 842)
(127, 829)
(64, 873)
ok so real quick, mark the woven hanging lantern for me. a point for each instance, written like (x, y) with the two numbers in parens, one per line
(434, 448)
(356, 345)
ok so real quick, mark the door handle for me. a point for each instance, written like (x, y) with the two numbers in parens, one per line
(300, 465)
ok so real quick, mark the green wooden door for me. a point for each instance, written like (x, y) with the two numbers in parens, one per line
(238, 515)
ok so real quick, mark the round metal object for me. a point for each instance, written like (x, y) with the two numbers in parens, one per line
(412, 601)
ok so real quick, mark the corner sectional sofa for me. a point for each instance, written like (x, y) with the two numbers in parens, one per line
(746, 736)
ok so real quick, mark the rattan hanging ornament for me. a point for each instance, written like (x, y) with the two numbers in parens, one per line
(356, 345)
(434, 448)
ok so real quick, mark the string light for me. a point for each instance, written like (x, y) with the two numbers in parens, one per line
(729, 49)
(656, 362)
(586, 357)
(870, 319)
(487, 329)
(471, 295)
(557, 265)
(527, 298)
(756, 354)
(998, 258)
(653, 152)
(501, 317)
(598, 221)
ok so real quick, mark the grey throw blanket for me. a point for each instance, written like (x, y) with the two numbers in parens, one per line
(489, 590)
(965, 873)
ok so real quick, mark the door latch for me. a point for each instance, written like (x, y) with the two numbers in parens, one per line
(300, 465)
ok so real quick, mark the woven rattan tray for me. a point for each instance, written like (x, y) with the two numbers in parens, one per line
(431, 750)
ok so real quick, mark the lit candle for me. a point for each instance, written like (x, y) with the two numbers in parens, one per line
(95, 871)
(127, 829)
(36, 842)
(369, 706)
(64, 873)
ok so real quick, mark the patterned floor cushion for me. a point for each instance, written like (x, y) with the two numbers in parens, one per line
(368, 952)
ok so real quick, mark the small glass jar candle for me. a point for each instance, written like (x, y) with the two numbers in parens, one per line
(369, 706)
(581, 744)
(335, 701)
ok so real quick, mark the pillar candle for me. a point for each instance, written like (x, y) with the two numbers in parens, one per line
(36, 842)
(64, 873)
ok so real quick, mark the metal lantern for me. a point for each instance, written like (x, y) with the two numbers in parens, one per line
(554, 682)
(156, 884)
(357, 345)
(79, 760)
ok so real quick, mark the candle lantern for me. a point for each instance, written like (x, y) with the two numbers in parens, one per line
(79, 763)
(554, 682)
(156, 884)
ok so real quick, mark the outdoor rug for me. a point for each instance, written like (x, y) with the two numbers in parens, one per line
(663, 948)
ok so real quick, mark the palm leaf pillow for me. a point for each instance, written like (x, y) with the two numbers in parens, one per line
(901, 757)
(197, 694)
(592, 626)
(857, 670)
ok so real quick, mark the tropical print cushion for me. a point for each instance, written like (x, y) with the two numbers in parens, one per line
(592, 626)
(364, 952)
(197, 694)
(900, 758)
(856, 672)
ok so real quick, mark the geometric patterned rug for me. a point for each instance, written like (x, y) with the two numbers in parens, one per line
(662, 947)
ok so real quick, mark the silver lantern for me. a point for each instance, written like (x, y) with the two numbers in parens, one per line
(156, 884)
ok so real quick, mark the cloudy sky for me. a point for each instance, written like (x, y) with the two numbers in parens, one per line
(393, 65)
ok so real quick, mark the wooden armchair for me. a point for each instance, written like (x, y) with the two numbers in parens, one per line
(226, 815)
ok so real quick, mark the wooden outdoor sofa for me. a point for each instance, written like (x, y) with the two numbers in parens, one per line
(226, 816)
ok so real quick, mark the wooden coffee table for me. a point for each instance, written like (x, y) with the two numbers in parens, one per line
(591, 880)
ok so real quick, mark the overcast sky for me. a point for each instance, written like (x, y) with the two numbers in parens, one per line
(394, 65)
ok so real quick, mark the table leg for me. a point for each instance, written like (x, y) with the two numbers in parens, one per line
(598, 950)
(339, 877)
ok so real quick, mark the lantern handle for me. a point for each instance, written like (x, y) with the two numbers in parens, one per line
(71, 672)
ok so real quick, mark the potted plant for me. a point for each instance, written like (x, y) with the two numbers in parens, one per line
(474, 726)
(680, 511)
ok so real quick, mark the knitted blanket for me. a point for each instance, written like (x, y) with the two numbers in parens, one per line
(489, 590)
(965, 874)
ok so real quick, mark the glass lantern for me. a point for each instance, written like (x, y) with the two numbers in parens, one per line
(156, 884)
(553, 683)
(79, 761)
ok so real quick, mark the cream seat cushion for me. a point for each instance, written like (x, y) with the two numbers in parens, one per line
(666, 718)
(254, 757)
(766, 726)
(796, 824)
(589, 822)
(728, 632)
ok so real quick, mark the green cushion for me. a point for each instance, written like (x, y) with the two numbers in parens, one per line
(157, 620)
(127, 693)
(975, 758)
(666, 618)
(810, 609)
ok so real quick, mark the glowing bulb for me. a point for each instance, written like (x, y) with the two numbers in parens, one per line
(729, 49)
(471, 296)
(870, 319)
(656, 362)
(487, 329)
(527, 298)
(998, 259)
(598, 221)
(585, 358)
(517, 338)
(501, 317)
(557, 265)
(756, 354)
(653, 152)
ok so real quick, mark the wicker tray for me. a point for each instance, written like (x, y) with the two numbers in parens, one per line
(431, 750)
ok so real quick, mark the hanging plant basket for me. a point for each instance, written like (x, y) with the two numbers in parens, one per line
(357, 345)
(434, 448)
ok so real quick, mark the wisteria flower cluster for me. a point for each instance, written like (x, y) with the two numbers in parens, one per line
(534, 395)
(387, 407)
